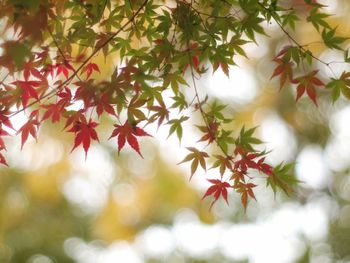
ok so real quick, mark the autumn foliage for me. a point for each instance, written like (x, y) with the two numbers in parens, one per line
(48, 64)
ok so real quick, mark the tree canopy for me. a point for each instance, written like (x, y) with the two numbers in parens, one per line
(157, 52)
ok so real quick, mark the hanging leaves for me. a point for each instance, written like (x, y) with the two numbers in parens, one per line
(30, 127)
(89, 69)
(56, 110)
(197, 157)
(129, 133)
(28, 90)
(308, 83)
(284, 70)
(104, 105)
(175, 40)
(64, 68)
(218, 189)
(84, 132)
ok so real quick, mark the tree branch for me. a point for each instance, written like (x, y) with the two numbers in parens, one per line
(75, 73)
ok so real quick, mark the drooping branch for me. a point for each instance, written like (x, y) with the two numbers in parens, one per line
(76, 71)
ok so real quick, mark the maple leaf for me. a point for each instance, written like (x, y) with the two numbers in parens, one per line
(247, 161)
(64, 68)
(223, 162)
(30, 70)
(73, 117)
(197, 157)
(282, 177)
(245, 141)
(210, 132)
(30, 127)
(55, 110)
(223, 66)
(42, 56)
(103, 105)
(218, 189)
(52, 110)
(86, 92)
(128, 132)
(245, 190)
(264, 167)
(84, 131)
(48, 69)
(28, 90)
(238, 176)
(89, 68)
(134, 111)
(161, 113)
(308, 83)
(284, 69)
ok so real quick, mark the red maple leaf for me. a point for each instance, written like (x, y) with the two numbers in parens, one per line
(48, 70)
(30, 70)
(103, 105)
(264, 167)
(55, 110)
(42, 56)
(86, 92)
(285, 70)
(308, 83)
(218, 189)
(89, 68)
(224, 67)
(28, 90)
(128, 132)
(247, 161)
(161, 113)
(210, 132)
(84, 131)
(30, 127)
(74, 117)
(64, 68)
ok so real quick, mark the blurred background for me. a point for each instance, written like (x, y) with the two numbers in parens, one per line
(57, 207)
